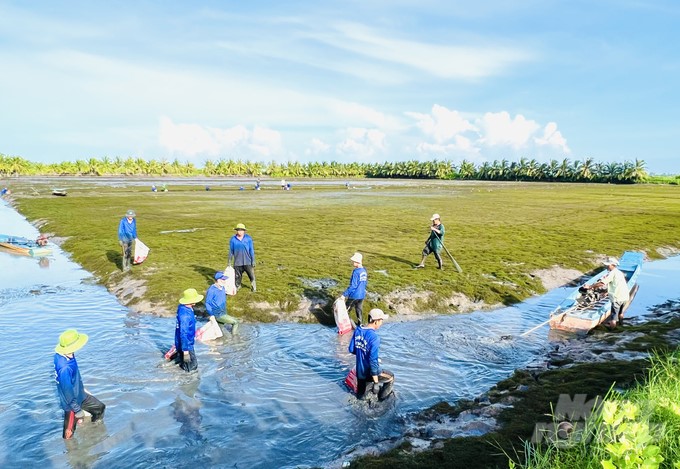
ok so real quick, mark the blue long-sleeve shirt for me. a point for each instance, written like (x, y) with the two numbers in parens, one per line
(357, 284)
(241, 250)
(216, 301)
(365, 344)
(127, 231)
(185, 329)
(69, 383)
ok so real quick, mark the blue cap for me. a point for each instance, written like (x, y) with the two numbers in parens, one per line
(220, 275)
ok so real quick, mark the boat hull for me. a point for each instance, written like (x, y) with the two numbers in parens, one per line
(576, 315)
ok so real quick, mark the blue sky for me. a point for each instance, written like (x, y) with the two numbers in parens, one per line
(345, 81)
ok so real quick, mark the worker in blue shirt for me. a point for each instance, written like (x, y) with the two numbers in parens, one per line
(185, 330)
(356, 292)
(216, 302)
(75, 401)
(242, 253)
(127, 233)
(365, 344)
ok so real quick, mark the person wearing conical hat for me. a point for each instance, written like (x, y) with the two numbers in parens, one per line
(434, 242)
(242, 253)
(127, 233)
(356, 291)
(185, 330)
(74, 400)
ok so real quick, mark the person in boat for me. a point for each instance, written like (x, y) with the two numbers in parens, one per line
(617, 288)
(73, 397)
(356, 291)
(365, 344)
(216, 302)
(434, 243)
(242, 254)
(41, 240)
(127, 233)
(185, 330)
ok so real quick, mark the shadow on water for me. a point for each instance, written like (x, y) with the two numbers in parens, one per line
(392, 258)
(116, 258)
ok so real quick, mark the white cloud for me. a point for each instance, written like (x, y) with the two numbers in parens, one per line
(552, 137)
(362, 143)
(460, 147)
(192, 140)
(498, 128)
(442, 124)
(317, 147)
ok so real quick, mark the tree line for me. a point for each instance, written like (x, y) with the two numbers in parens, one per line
(566, 170)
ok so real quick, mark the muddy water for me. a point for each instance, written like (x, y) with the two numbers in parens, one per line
(270, 397)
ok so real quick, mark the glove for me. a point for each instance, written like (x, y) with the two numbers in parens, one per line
(376, 388)
(80, 414)
(186, 357)
(213, 319)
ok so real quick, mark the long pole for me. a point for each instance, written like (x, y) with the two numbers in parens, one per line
(534, 328)
(460, 271)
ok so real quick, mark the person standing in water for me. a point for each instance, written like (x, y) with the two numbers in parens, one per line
(434, 243)
(356, 291)
(365, 344)
(242, 253)
(185, 330)
(216, 302)
(75, 401)
(127, 233)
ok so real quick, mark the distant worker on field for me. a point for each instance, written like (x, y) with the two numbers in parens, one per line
(365, 344)
(617, 288)
(5, 191)
(75, 401)
(356, 292)
(185, 330)
(242, 253)
(283, 184)
(434, 243)
(127, 233)
(216, 302)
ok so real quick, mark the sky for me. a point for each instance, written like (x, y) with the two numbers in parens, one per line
(365, 81)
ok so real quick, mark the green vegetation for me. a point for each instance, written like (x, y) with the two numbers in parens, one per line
(587, 170)
(638, 429)
(498, 232)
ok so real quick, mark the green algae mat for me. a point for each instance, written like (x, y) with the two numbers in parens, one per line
(500, 234)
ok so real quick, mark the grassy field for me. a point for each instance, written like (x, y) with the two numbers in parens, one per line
(498, 232)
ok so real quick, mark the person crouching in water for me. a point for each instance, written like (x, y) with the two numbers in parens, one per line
(365, 344)
(216, 302)
(356, 292)
(185, 330)
(72, 395)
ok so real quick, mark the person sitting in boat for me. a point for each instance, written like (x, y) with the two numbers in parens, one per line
(365, 344)
(42, 240)
(617, 288)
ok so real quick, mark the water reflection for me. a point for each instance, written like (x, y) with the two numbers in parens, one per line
(270, 397)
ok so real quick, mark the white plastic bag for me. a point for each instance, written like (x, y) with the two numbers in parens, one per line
(141, 252)
(230, 287)
(341, 317)
(209, 331)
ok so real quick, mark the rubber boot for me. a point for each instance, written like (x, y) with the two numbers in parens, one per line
(234, 329)
(253, 286)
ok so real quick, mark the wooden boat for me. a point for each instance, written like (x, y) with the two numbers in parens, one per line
(23, 246)
(584, 309)
(59, 192)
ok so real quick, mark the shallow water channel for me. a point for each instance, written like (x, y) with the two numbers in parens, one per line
(270, 397)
